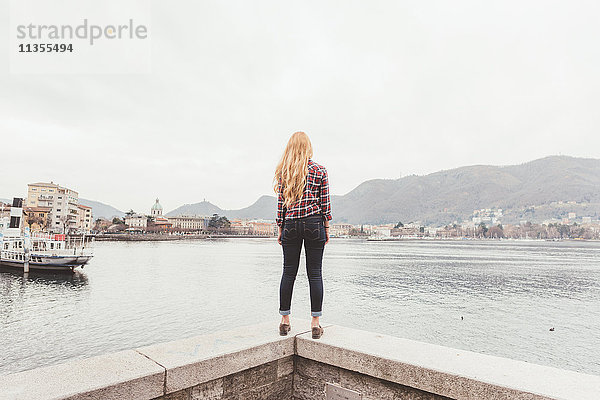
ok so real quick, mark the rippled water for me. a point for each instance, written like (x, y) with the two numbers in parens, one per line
(132, 294)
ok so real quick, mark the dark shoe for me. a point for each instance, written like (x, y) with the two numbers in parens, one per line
(317, 331)
(284, 329)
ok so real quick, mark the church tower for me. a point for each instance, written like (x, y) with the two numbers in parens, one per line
(156, 210)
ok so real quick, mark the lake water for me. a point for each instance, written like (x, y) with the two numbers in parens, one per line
(509, 294)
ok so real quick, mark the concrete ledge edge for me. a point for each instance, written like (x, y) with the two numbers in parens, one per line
(443, 370)
(160, 369)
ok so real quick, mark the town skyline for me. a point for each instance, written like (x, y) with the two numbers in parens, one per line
(533, 191)
(172, 202)
(141, 204)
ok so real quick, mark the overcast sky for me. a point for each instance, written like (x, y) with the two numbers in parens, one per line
(384, 89)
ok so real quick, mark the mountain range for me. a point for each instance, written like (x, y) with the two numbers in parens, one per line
(101, 210)
(549, 187)
(533, 191)
(263, 208)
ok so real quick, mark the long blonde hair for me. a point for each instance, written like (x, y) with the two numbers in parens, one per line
(293, 167)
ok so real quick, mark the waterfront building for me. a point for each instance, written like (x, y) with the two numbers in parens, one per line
(136, 222)
(340, 229)
(263, 228)
(365, 228)
(85, 220)
(259, 227)
(62, 201)
(36, 218)
(430, 231)
(239, 227)
(405, 231)
(159, 224)
(189, 222)
(383, 230)
(446, 232)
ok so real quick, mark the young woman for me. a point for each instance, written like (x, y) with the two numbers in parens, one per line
(303, 215)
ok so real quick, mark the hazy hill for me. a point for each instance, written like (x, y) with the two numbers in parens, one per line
(452, 195)
(263, 208)
(202, 208)
(101, 210)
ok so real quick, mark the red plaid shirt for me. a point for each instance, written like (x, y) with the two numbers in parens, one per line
(315, 199)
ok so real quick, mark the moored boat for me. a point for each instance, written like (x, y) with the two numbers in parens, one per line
(47, 252)
(41, 251)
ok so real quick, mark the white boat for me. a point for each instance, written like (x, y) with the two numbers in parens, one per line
(41, 251)
(47, 252)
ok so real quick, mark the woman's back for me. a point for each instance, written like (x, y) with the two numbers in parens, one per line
(315, 197)
(303, 215)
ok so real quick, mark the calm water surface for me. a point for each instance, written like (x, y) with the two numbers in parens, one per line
(133, 294)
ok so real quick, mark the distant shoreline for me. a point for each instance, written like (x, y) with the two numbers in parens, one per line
(144, 238)
(154, 237)
(160, 237)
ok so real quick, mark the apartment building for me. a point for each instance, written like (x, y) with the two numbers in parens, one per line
(63, 202)
(85, 221)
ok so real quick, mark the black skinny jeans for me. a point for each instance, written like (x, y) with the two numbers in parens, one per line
(311, 230)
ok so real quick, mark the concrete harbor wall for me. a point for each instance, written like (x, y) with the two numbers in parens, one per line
(254, 362)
